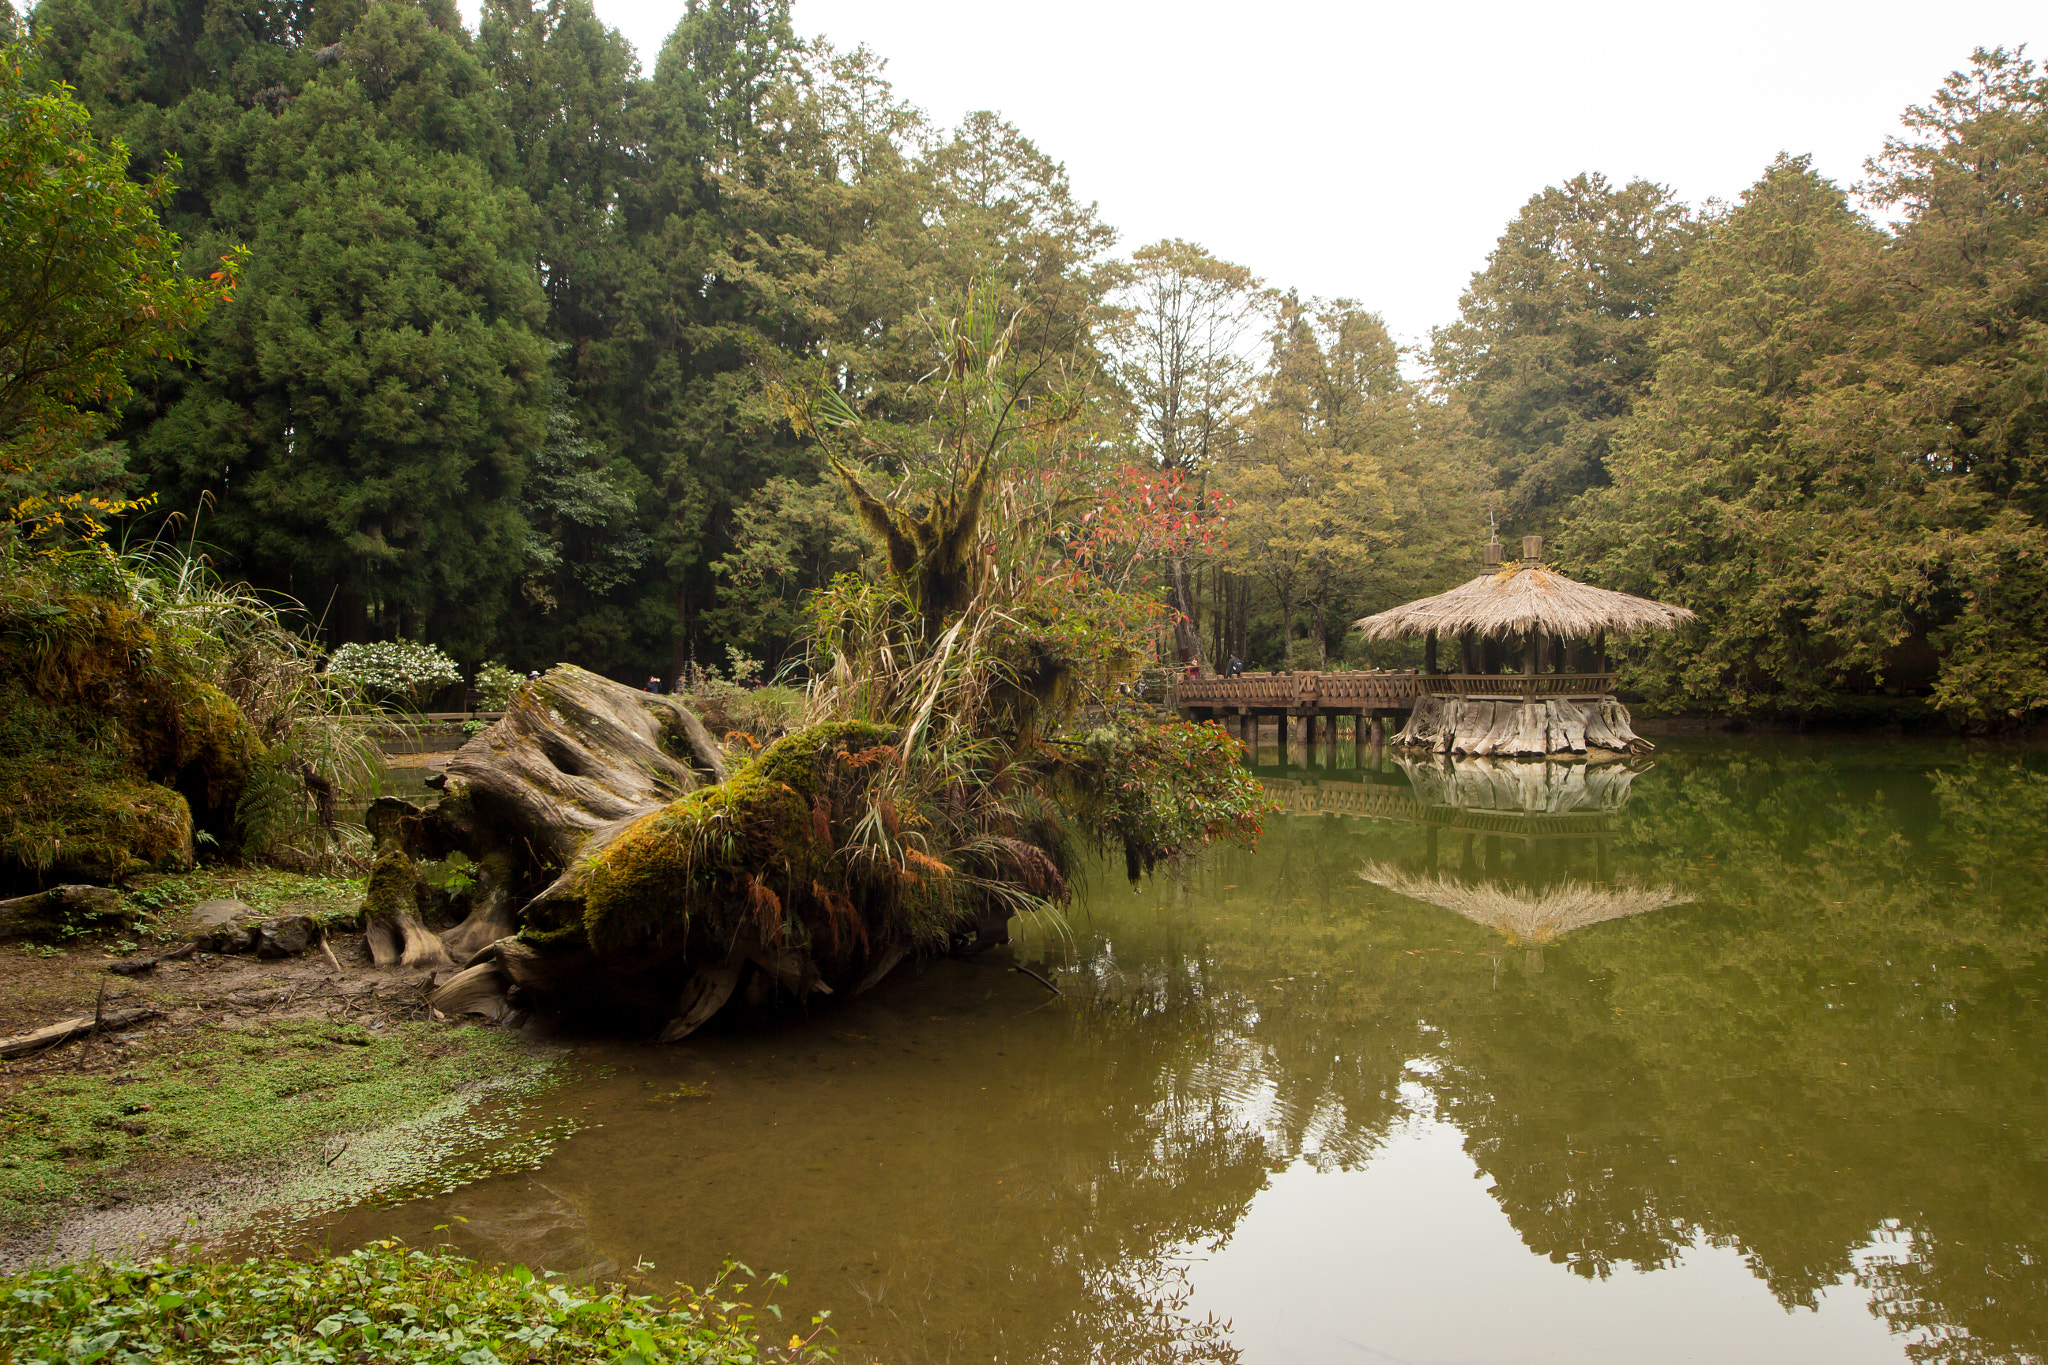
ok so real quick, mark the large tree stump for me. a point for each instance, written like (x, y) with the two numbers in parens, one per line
(623, 874)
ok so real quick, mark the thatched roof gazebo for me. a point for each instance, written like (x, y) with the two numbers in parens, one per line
(1532, 648)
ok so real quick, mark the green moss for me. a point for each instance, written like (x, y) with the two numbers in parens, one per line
(71, 809)
(691, 867)
(109, 758)
(394, 886)
(552, 938)
(238, 1095)
(216, 750)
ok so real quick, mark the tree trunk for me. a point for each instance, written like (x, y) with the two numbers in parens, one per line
(1187, 636)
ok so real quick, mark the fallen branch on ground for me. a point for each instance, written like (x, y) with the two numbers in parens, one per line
(53, 1035)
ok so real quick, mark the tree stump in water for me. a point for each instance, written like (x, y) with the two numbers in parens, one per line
(624, 875)
(1555, 725)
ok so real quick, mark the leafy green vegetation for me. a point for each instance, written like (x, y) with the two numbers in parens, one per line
(553, 425)
(90, 286)
(385, 1302)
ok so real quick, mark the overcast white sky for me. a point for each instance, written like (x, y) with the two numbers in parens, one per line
(1374, 151)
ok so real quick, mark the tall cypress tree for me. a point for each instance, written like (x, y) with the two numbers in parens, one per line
(364, 415)
(1717, 501)
(1557, 338)
(672, 379)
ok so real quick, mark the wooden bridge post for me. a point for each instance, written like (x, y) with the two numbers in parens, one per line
(1360, 729)
(1280, 723)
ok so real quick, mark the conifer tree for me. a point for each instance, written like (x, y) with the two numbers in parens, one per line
(363, 417)
(1716, 500)
(1557, 337)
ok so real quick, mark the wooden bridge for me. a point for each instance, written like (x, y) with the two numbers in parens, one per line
(1306, 703)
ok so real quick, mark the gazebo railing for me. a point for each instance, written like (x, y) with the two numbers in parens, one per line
(1518, 685)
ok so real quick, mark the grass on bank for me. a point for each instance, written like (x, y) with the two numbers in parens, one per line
(227, 1096)
(332, 901)
(385, 1302)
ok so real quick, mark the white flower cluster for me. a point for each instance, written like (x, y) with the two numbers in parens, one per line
(393, 667)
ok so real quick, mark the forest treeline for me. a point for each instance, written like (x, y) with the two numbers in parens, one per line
(508, 366)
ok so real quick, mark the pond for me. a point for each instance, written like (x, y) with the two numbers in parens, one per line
(1731, 1054)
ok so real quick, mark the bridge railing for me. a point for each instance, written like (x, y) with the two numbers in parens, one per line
(1298, 691)
(1363, 691)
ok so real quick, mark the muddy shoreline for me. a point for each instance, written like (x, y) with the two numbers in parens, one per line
(261, 1090)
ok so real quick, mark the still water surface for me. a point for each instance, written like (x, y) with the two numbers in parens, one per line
(1735, 1055)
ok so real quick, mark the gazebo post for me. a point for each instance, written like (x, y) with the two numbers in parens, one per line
(1429, 654)
(1530, 648)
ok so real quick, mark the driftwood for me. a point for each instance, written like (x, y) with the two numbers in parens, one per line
(52, 1035)
(136, 966)
(606, 887)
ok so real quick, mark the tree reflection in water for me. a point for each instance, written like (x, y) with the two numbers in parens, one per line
(1835, 1044)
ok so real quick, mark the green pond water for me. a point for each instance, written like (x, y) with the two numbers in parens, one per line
(1732, 1055)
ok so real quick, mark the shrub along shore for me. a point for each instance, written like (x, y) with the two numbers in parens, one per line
(383, 1302)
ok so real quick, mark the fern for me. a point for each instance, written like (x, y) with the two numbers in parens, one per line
(274, 804)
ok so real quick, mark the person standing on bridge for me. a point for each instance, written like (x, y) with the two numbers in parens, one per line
(1236, 666)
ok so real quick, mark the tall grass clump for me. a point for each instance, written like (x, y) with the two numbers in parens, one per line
(315, 755)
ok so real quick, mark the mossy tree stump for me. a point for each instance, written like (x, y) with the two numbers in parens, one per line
(625, 876)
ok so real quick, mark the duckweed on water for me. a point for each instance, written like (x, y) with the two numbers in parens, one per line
(384, 1302)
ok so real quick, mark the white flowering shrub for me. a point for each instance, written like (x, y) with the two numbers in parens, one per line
(394, 668)
(496, 683)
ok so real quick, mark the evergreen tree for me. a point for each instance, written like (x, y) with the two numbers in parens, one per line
(1557, 337)
(1308, 483)
(1842, 463)
(1948, 394)
(364, 415)
(666, 389)
(1717, 500)
(565, 85)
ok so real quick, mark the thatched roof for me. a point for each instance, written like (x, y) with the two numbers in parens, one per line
(1518, 597)
(1534, 918)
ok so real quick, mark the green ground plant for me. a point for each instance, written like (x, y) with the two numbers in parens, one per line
(329, 899)
(234, 1095)
(385, 1302)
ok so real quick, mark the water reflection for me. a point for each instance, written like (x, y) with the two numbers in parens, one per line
(1491, 800)
(1819, 1061)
